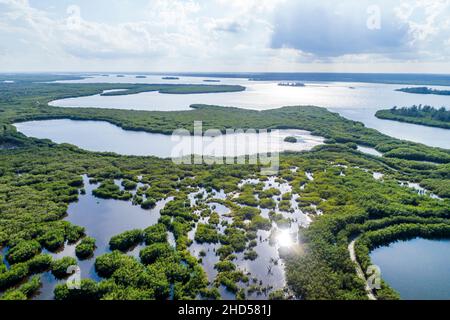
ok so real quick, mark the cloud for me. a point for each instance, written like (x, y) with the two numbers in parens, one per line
(220, 35)
(331, 28)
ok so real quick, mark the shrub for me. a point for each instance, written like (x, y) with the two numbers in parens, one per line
(155, 233)
(236, 238)
(85, 248)
(23, 251)
(40, 263)
(89, 290)
(126, 240)
(290, 139)
(206, 234)
(106, 264)
(53, 239)
(25, 291)
(14, 275)
(250, 255)
(247, 199)
(155, 251)
(267, 203)
(59, 267)
(73, 233)
(129, 185)
(260, 223)
(148, 203)
(225, 265)
(15, 295)
(109, 190)
(214, 219)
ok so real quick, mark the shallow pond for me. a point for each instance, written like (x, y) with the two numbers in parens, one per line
(417, 269)
(106, 137)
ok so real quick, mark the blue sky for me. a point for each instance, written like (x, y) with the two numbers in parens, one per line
(225, 35)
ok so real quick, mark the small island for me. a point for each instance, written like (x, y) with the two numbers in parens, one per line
(141, 77)
(210, 80)
(425, 90)
(170, 78)
(291, 84)
(120, 76)
(423, 115)
(291, 139)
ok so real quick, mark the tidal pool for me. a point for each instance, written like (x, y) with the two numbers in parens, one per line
(105, 137)
(418, 269)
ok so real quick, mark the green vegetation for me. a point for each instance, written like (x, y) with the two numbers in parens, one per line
(129, 185)
(39, 179)
(85, 248)
(156, 251)
(155, 233)
(23, 251)
(24, 292)
(60, 267)
(425, 90)
(175, 89)
(424, 115)
(126, 240)
(148, 203)
(109, 190)
(206, 233)
(291, 139)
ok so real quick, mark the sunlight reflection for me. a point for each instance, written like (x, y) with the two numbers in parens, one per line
(284, 239)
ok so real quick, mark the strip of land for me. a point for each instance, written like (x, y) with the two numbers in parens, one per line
(426, 115)
(425, 90)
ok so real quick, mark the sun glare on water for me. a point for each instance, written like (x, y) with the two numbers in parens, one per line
(284, 239)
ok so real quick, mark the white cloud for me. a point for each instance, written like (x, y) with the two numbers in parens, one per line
(216, 35)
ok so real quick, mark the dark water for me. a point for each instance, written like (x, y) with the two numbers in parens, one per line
(418, 269)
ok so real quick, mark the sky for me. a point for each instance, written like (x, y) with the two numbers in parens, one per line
(225, 35)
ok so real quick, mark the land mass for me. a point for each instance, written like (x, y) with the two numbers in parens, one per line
(175, 89)
(425, 90)
(423, 115)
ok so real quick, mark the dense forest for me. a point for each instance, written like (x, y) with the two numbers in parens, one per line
(425, 115)
(39, 179)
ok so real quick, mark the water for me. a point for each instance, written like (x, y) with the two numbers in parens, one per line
(102, 219)
(266, 272)
(106, 137)
(418, 269)
(356, 101)
(370, 151)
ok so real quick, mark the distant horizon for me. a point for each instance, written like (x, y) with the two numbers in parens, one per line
(220, 72)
